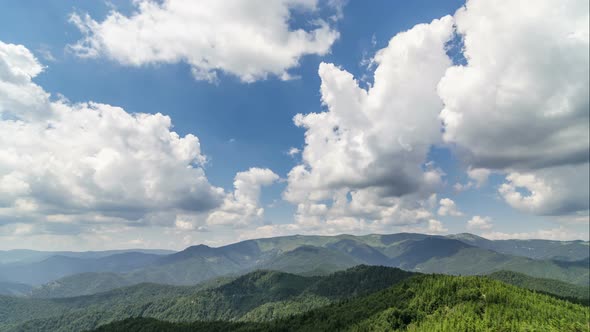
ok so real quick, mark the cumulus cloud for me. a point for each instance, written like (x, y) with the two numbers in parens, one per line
(522, 99)
(321, 219)
(478, 222)
(436, 227)
(368, 151)
(242, 206)
(248, 39)
(479, 175)
(64, 164)
(448, 208)
(520, 105)
(550, 191)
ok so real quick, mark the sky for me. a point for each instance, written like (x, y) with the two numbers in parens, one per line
(164, 124)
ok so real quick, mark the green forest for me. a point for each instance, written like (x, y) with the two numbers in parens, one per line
(420, 303)
(362, 298)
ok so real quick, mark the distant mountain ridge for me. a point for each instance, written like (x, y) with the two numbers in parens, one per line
(24, 256)
(465, 254)
(536, 249)
(58, 266)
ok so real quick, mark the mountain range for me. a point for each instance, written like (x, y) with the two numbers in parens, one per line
(70, 274)
(344, 282)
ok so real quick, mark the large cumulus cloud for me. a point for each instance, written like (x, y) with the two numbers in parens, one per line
(364, 161)
(520, 105)
(91, 163)
(248, 39)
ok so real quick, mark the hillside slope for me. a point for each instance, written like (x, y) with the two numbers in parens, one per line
(257, 296)
(422, 303)
(549, 286)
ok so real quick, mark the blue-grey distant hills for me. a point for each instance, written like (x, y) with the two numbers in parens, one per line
(32, 256)
(465, 254)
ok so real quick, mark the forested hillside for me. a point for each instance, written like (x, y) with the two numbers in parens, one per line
(257, 296)
(422, 303)
(549, 286)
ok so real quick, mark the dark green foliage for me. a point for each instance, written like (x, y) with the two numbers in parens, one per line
(154, 325)
(257, 296)
(359, 280)
(549, 286)
(422, 303)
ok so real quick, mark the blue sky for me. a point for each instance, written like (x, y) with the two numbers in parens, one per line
(250, 124)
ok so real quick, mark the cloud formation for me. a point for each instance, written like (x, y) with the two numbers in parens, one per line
(520, 105)
(448, 208)
(91, 163)
(248, 39)
(242, 207)
(481, 223)
(549, 191)
(366, 154)
(435, 227)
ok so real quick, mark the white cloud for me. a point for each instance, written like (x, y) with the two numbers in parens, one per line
(478, 222)
(293, 152)
(436, 227)
(522, 100)
(72, 167)
(183, 224)
(459, 187)
(448, 208)
(248, 39)
(365, 157)
(242, 207)
(17, 229)
(550, 191)
(521, 103)
(364, 163)
(480, 175)
(557, 234)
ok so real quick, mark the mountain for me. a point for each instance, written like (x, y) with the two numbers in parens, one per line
(549, 286)
(473, 260)
(412, 253)
(256, 296)
(310, 260)
(420, 303)
(307, 255)
(536, 249)
(361, 252)
(199, 263)
(81, 284)
(14, 288)
(56, 267)
(24, 256)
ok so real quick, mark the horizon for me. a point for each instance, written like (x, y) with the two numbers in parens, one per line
(326, 117)
(285, 236)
